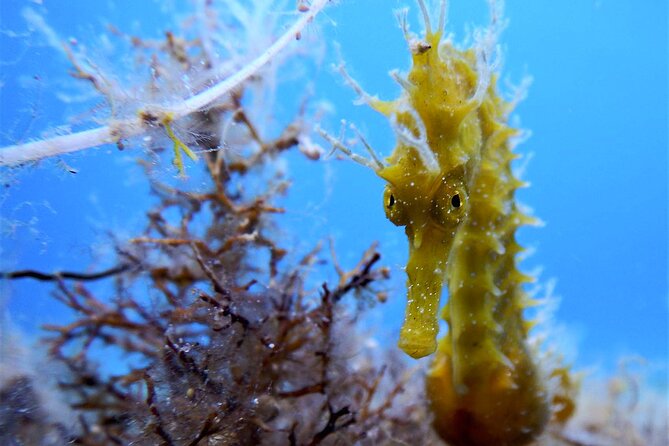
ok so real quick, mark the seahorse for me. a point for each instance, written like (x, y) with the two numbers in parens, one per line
(450, 184)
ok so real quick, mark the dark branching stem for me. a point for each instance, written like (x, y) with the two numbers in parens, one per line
(359, 280)
(208, 428)
(153, 408)
(60, 275)
(331, 425)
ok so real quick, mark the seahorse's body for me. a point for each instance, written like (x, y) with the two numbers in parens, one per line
(451, 185)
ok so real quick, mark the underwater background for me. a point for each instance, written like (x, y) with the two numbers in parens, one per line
(596, 110)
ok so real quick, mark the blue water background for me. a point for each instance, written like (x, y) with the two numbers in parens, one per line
(597, 110)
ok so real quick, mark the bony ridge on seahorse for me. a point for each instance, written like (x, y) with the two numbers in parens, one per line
(450, 184)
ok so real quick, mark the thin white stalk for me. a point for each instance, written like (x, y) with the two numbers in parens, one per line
(426, 17)
(363, 96)
(442, 16)
(32, 151)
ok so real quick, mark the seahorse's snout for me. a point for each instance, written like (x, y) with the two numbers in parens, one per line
(425, 276)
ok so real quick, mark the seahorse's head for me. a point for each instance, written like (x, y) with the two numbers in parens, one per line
(431, 206)
(420, 200)
(427, 175)
(439, 145)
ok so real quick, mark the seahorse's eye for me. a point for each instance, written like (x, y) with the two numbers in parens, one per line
(395, 208)
(449, 204)
(455, 201)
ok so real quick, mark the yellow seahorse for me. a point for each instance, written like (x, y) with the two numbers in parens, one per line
(450, 184)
